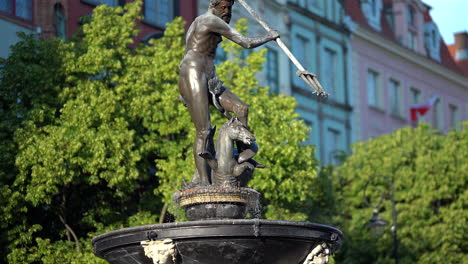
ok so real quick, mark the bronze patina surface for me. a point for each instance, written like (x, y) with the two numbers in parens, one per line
(197, 69)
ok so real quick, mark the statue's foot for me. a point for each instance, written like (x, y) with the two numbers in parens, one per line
(197, 181)
(260, 166)
(188, 185)
(230, 184)
(246, 155)
(193, 185)
(256, 164)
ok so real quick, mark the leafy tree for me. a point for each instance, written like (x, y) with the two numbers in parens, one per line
(95, 138)
(430, 174)
(30, 83)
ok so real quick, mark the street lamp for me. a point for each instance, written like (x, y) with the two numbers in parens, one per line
(376, 224)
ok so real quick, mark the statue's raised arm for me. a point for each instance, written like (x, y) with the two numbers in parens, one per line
(217, 25)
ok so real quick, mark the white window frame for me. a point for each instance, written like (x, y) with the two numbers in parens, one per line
(437, 115)
(272, 70)
(373, 91)
(411, 16)
(432, 40)
(332, 144)
(394, 91)
(372, 11)
(301, 54)
(415, 96)
(14, 10)
(412, 40)
(308, 4)
(454, 112)
(60, 21)
(330, 70)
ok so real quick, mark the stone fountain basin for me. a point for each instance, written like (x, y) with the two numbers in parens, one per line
(243, 241)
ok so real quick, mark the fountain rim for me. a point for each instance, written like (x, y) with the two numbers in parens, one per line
(226, 222)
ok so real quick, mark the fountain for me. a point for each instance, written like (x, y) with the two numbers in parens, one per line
(225, 225)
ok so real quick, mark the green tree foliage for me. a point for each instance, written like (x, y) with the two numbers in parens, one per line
(430, 174)
(94, 137)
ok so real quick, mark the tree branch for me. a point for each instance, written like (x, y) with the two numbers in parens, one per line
(69, 229)
(163, 213)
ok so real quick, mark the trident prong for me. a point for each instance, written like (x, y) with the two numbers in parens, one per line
(313, 82)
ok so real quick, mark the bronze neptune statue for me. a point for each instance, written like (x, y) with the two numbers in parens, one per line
(199, 87)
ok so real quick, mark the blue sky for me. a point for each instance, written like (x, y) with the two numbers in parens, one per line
(450, 15)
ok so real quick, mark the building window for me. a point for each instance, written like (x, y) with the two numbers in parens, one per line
(390, 17)
(437, 115)
(59, 21)
(412, 40)
(308, 4)
(158, 12)
(332, 145)
(112, 3)
(453, 115)
(19, 8)
(309, 139)
(434, 38)
(301, 48)
(372, 10)
(220, 56)
(411, 16)
(245, 53)
(373, 96)
(272, 71)
(329, 73)
(415, 96)
(313, 4)
(373, 7)
(395, 98)
(300, 45)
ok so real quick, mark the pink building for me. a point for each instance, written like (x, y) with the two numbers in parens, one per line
(400, 60)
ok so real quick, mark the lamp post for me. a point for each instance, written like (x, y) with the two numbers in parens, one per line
(376, 224)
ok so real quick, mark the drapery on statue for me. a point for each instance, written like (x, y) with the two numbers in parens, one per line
(199, 87)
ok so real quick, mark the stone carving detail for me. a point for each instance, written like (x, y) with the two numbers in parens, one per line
(319, 255)
(160, 251)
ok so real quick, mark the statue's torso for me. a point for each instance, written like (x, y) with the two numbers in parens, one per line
(201, 44)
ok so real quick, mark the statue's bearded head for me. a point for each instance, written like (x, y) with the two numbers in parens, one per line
(222, 9)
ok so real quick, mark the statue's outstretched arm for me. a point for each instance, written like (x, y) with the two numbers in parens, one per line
(217, 25)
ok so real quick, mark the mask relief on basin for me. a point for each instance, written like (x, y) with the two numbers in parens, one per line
(319, 255)
(160, 251)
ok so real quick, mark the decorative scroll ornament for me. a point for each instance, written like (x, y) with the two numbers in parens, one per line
(319, 255)
(160, 251)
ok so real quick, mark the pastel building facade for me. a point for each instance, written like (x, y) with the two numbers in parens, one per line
(316, 34)
(156, 13)
(61, 18)
(400, 60)
(320, 40)
(16, 16)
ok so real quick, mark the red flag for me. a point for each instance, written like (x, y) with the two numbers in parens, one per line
(422, 108)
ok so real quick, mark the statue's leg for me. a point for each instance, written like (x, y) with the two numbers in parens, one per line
(230, 102)
(192, 86)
